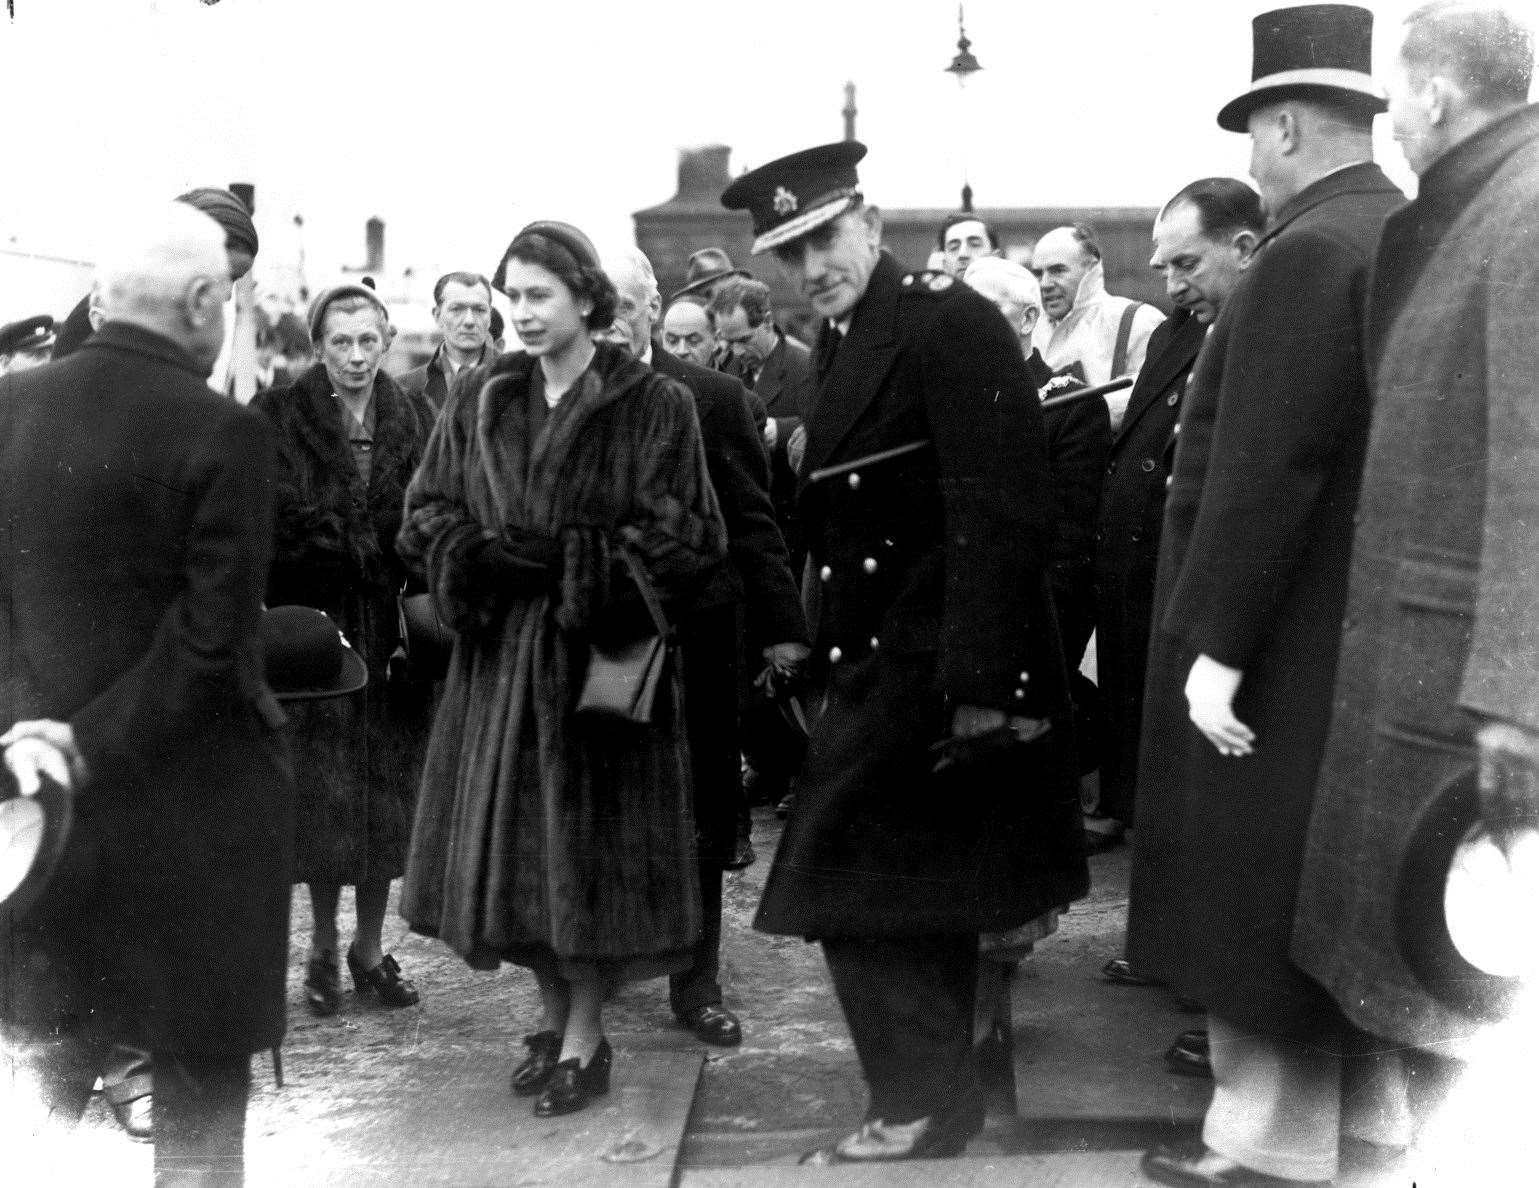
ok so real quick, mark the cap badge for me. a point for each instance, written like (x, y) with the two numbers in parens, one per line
(784, 201)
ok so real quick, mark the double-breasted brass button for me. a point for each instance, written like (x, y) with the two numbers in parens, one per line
(1025, 676)
(1111, 467)
(1147, 465)
(835, 655)
(1020, 694)
(854, 481)
(1173, 399)
(825, 573)
(874, 643)
(869, 564)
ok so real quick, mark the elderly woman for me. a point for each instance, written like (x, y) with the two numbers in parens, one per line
(543, 837)
(349, 440)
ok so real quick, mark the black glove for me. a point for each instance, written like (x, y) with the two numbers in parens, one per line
(515, 569)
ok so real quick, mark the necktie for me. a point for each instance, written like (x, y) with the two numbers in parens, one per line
(831, 342)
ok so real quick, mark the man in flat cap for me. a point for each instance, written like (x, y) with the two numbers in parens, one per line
(1247, 619)
(939, 795)
(27, 343)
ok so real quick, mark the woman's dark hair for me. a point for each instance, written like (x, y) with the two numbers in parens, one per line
(586, 281)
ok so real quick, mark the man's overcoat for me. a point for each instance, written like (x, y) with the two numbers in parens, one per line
(1127, 548)
(137, 515)
(1253, 572)
(753, 589)
(932, 569)
(1442, 625)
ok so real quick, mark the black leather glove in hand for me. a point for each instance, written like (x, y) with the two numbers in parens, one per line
(499, 565)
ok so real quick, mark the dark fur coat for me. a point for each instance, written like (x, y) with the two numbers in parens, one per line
(538, 833)
(357, 758)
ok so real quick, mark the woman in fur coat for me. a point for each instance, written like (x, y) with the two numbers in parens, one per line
(349, 440)
(542, 837)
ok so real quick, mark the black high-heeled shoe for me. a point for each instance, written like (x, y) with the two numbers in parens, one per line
(573, 1084)
(534, 1073)
(384, 979)
(323, 983)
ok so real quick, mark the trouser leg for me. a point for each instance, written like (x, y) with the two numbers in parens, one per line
(1276, 1104)
(200, 1120)
(700, 984)
(909, 1006)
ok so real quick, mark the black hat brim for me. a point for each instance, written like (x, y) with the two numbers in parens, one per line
(1235, 115)
(49, 816)
(352, 675)
(1420, 921)
(696, 285)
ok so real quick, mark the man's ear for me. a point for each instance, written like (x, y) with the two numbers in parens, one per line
(1029, 318)
(1288, 126)
(1244, 244)
(201, 301)
(872, 217)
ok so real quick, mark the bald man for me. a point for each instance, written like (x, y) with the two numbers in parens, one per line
(687, 333)
(1106, 335)
(139, 515)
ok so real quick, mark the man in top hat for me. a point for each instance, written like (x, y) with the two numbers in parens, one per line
(924, 499)
(27, 343)
(1438, 659)
(706, 269)
(1248, 602)
(138, 509)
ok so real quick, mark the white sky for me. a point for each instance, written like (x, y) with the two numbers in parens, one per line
(459, 120)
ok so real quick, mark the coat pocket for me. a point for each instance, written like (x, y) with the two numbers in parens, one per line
(1424, 644)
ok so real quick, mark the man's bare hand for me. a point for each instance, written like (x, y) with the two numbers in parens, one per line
(1509, 780)
(796, 446)
(771, 433)
(30, 759)
(1210, 692)
(59, 736)
(786, 657)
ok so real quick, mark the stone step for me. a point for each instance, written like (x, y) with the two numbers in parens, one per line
(1096, 1169)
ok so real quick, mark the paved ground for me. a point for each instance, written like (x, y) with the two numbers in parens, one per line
(419, 1096)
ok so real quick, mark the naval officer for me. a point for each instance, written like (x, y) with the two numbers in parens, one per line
(939, 798)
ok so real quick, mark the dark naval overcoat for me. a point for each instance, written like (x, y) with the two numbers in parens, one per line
(1442, 625)
(1253, 572)
(932, 570)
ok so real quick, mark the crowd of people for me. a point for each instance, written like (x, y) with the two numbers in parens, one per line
(585, 601)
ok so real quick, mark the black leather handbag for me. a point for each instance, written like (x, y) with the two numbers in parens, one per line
(621, 683)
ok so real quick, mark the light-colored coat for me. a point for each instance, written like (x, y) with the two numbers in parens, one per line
(1442, 623)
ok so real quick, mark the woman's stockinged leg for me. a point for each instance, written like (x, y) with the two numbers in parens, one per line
(555, 1002)
(324, 898)
(584, 1022)
(372, 898)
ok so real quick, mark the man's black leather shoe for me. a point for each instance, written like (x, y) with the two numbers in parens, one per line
(1183, 1167)
(1190, 1059)
(714, 1024)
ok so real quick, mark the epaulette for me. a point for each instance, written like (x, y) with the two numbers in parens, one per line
(928, 281)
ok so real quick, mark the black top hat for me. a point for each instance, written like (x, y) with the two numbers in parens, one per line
(706, 267)
(1322, 49)
(29, 334)
(1422, 931)
(791, 196)
(307, 657)
(33, 833)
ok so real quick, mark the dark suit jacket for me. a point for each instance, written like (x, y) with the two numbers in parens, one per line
(933, 575)
(1127, 546)
(428, 380)
(1078, 437)
(785, 385)
(139, 521)
(755, 580)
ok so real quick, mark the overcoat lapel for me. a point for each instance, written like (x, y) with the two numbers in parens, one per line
(1159, 373)
(859, 368)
